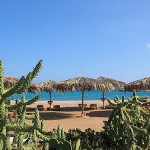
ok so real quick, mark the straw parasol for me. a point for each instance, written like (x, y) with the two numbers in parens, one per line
(10, 81)
(107, 84)
(138, 85)
(33, 88)
(48, 86)
(80, 83)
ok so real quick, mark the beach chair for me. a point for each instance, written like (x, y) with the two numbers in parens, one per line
(93, 106)
(110, 107)
(56, 107)
(40, 107)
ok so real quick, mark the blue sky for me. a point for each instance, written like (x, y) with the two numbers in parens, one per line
(76, 38)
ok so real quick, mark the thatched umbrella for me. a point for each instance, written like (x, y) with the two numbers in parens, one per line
(80, 83)
(10, 81)
(62, 87)
(48, 86)
(107, 84)
(33, 88)
(138, 85)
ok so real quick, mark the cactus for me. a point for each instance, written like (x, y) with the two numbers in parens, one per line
(45, 146)
(78, 145)
(128, 125)
(18, 126)
(58, 133)
(33, 133)
(89, 139)
(59, 144)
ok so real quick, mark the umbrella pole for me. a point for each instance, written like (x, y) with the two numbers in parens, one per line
(103, 99)
(50, 95)
(50, 102)
(82, 103)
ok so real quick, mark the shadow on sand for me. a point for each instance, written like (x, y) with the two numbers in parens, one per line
(100, 113)
(51, 115)
(70, 109)
(29, 109)
(70, 112)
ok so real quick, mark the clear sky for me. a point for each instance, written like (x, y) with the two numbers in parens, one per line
(74, 38)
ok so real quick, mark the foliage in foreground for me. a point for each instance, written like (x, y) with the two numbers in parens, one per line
(8, 124)
(128, 127)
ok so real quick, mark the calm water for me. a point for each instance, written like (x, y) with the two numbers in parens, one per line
(88, 95)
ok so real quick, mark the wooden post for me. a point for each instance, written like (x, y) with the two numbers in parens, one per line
(103, 99)
(50, 101)
(50, 95)
(82, 102)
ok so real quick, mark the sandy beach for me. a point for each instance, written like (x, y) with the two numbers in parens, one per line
(69, 116)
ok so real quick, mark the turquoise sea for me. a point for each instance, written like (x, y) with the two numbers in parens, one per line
(70, 96)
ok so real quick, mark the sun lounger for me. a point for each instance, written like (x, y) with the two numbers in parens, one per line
(56, 107)
(110, 107)
(40, 107)
(93, 106)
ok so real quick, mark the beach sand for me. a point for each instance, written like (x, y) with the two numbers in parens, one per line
(69, 116)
